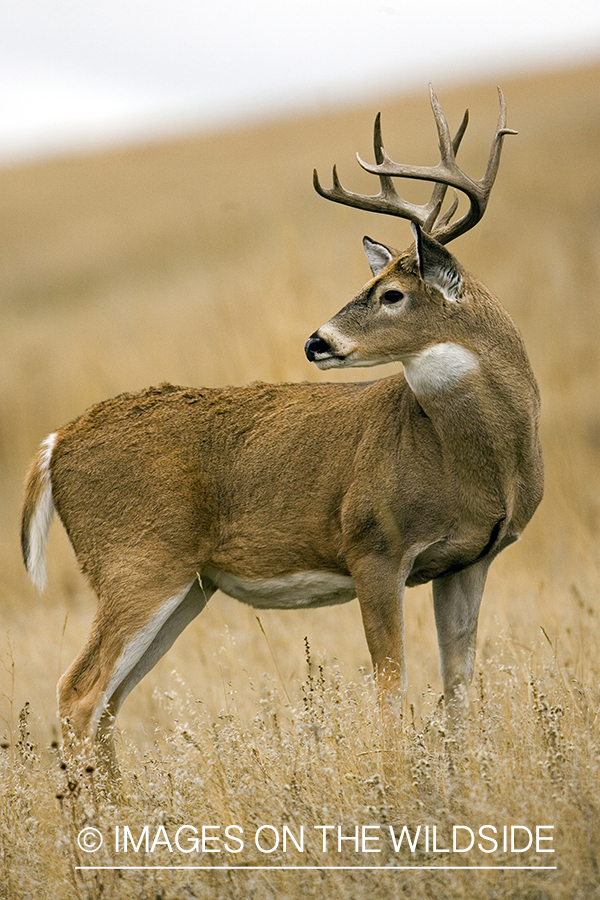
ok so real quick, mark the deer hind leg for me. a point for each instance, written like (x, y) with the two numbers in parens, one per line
(456, 601)
(121, 649)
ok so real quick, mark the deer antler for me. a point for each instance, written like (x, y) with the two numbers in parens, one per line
(446, 174)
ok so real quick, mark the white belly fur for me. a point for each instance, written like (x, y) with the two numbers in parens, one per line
(298, 590)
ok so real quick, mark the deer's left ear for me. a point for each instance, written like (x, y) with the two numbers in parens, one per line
(378, 255)
(437, 267)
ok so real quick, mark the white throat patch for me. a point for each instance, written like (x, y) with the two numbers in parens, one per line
(438, 368)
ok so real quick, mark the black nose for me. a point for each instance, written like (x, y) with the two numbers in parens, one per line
(315, 345)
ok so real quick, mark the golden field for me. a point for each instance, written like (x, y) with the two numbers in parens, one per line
(209, 260)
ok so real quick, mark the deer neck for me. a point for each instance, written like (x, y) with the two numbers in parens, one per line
(479, 411)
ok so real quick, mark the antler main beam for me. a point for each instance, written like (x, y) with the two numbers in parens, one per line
(446, 174)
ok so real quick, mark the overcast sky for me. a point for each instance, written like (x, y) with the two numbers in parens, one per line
(79, 73)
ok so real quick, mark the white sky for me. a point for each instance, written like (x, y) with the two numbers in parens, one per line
(79, 73)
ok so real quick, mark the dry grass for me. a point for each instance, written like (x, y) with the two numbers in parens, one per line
(210, 261)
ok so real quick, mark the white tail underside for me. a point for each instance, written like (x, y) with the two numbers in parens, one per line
(42, 517)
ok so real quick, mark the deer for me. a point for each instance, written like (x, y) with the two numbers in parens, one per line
(303, 495)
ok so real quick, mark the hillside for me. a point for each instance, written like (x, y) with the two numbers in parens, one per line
(209, 260)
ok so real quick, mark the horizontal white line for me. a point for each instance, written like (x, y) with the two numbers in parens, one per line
(318, 868)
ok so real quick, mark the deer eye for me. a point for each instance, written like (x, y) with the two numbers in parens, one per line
(392, 297)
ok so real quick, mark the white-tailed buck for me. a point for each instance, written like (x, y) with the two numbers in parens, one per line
(306, 495)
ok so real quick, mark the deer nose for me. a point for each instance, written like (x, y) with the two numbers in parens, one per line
(316, 345)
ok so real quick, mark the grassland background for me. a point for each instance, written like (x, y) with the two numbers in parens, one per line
(209, 260)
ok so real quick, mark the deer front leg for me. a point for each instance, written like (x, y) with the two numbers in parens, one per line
(380, 593)
(456, 600)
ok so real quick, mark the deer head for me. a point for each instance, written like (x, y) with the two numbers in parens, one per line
(418, 298)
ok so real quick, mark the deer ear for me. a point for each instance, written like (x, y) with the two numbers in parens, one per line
(437, 267)
(378, 255)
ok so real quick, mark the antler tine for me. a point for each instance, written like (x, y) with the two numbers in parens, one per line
(433, 223)
(494, 158)
(388, 200)
(449, 174)
(441, 223)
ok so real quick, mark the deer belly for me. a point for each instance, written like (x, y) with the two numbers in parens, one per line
(298, 590)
